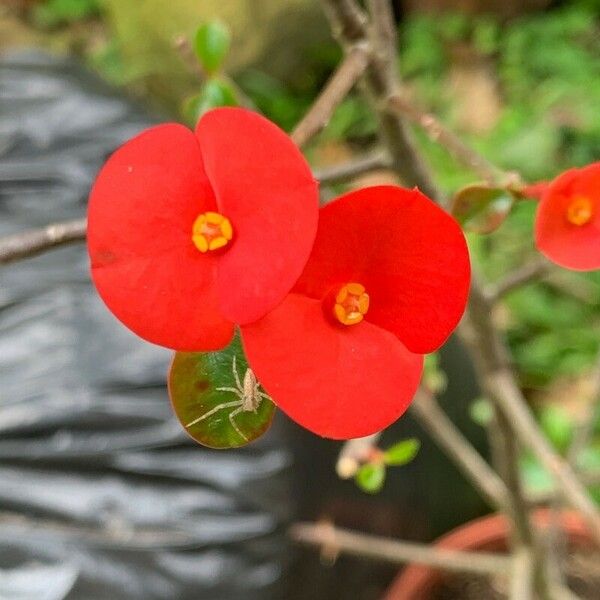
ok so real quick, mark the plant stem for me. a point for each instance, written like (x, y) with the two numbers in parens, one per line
(36, 241)
(334, 92)
(398, 552)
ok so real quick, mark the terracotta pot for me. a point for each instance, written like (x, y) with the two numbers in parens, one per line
(489, 534)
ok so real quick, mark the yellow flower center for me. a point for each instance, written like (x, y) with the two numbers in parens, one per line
(351, 304)
(579, 211)
(211, 231)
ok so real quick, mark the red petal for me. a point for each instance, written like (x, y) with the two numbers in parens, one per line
(265, 187)
(144, 263)
(571, 246)
(409, 254)
(340, 382)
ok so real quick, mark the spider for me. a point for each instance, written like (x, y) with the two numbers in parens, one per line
(249, 398)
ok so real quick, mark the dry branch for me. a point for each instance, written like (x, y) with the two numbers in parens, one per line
(336, 89)
(397, 552)
(36, 241)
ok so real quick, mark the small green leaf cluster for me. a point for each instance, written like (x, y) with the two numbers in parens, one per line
(211, 45)
(370, 477)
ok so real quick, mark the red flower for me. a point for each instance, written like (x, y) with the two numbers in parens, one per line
(191, 233)
(387, 281)
(567, 225)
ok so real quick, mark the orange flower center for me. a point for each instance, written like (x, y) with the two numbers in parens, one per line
(579, 211)
(211, 231)
(351, 304)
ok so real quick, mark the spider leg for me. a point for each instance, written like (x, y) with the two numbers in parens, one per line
(232, 414)
(229, 389)
(238, 381)
(263, 395)
(212, 411)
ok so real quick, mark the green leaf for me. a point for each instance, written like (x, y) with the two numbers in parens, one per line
(215, 92)
(557, 425)
(401, 453)
(211, 43)
(370, 477)
(480, 208)
(434, 377)
(481, 411)
(212, 416)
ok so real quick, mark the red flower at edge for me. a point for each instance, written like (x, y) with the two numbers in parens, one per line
(567, 225)
(387, 281)
(189, 233)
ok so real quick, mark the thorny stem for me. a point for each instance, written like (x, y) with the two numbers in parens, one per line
(336, 540)
(352, 168)
(349, 26)
(36, 241)
(336, 89)
(437, 132)
(434, 420)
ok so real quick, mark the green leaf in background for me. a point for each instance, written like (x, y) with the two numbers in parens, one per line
(480, 208)
(481, 411)
(556, 423)
(213, 416)
(535, 476)
(370, 477)
(215, 92)
(401, 453)
(54, 13)
(433, 376)
(211, 44)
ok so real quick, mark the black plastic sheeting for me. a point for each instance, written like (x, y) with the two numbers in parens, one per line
(102, 496)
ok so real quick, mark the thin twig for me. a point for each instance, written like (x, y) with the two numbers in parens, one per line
(434, 420)
(522, 575)
(336, 89)
(530, 271)
(584, 432)
(491, 360)
(36, 241)
(437, 132)
(349, 25)
(397, 552)
(349, 170)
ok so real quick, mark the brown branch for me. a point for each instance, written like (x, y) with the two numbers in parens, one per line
(36, 241)
(336, 89)
(531, 271)
(491, 359)
(521, 587)
(396, 552)
(584, 432)
(353, 168)
(434, 420)
(437, 132)
(348, 24)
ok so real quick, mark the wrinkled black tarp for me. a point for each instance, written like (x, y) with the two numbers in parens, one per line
(101, 494)
(100, 491)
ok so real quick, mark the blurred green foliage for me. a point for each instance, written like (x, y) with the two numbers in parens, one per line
(54, 13)
(370, 476)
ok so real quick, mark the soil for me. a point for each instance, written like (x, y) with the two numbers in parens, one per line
(583, 578)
